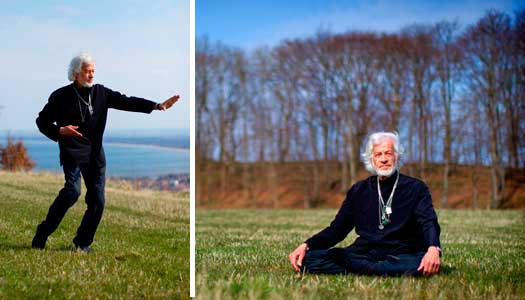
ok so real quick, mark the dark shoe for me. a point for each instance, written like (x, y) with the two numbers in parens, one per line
(39, 241)
(84, 249)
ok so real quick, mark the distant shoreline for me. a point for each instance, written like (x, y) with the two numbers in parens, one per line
(120, 144)
(112, 177)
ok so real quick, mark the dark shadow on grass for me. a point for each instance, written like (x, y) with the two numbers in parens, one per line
(66, 248)
(443, 271)
(447, 270)
(9, 246)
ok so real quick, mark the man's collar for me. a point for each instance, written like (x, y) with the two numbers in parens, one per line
(80, 87)
(390, 179)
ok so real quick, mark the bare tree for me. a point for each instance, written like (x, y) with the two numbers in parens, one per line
(485, 46)
(448, 62)
(515, 95)
(205, 61)
(420, 64)
(392, 90)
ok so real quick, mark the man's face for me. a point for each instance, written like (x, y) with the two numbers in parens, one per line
(86, 76)
(384, 158)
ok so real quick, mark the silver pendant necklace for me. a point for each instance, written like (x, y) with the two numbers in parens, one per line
(385, 210)
(87, 103)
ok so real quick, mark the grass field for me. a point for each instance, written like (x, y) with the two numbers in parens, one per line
(242, 254)
(141, 250)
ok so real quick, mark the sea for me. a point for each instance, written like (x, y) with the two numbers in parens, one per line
(130, 155)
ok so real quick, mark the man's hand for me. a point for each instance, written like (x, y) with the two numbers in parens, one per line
(168, 103)
(69, 130)
(296, 257)
(430, 263)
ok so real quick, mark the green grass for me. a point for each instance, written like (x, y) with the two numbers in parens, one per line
(242, 254)
(141, 249)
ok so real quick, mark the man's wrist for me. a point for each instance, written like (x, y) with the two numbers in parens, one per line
(435, 248)
(306, 246)
(157, 106)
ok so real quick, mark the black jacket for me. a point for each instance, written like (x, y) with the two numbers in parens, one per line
(413, 228)
(65, 108)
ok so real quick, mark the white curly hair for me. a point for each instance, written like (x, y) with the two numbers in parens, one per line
(376, 139)
(76, 63)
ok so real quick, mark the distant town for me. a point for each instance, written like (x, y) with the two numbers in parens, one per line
(170, 182)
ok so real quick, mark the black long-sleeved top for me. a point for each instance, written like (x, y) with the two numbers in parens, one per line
(65, 108)
(413, 227)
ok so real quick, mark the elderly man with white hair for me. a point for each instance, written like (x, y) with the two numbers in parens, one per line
(75, 117)
(397, 227)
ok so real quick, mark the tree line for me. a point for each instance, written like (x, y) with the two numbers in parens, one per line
(455, 94)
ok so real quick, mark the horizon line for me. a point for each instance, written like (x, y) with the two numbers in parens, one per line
(107, 129)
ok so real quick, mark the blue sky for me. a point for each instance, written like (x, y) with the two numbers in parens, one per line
(249, 24)
(141, 48)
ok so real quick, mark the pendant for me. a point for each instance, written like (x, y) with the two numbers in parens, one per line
(90, 109)
(381, 227)
(388, 210)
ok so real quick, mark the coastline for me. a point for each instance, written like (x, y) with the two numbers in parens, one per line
(118, 144)
(147, 146)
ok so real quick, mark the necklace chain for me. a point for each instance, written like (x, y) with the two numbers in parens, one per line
(385, 209)
(87, 103)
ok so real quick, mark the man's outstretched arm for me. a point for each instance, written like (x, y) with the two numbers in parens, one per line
(120, 101)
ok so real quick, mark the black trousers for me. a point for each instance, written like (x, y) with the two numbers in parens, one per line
(361, 261)
(94, 178)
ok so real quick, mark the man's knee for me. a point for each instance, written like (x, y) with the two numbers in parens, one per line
(401, 265)
(320, 262)
(69, 195)
(95, 185)
(95, 199)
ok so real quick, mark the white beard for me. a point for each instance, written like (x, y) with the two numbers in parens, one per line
(386, 173)
(88, 84)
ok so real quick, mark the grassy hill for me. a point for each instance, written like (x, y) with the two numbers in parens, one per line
(243, 254)
(141, 250)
